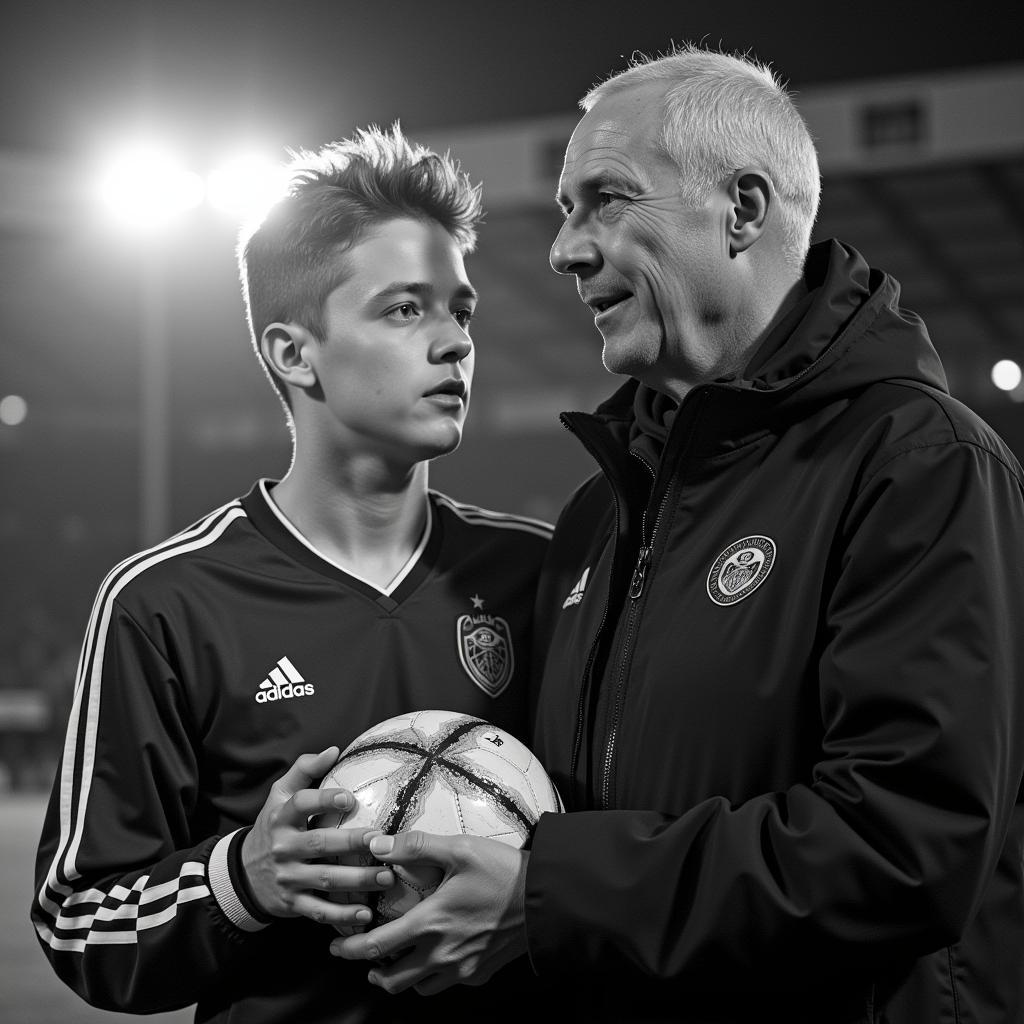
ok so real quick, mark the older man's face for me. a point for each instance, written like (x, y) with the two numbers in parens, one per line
(654, 270)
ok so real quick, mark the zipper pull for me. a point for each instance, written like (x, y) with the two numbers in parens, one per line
(636, 584)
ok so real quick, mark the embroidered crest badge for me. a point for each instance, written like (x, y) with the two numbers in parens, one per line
(740, 569)
(485, 650)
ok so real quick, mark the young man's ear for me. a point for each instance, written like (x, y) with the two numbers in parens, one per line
(751, 194)
(286, 349)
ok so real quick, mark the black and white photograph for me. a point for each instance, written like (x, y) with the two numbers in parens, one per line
(511, 512)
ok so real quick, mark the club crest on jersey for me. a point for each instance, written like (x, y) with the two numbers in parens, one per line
(485, 650)
(740, 569)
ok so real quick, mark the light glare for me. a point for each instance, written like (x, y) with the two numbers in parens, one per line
(148, 186)
(246, 186)
(1006, 375)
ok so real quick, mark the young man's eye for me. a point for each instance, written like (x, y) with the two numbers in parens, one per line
(406, 311)
(463, 317)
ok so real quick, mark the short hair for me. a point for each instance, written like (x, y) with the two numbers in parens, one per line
(724, 111)
(291, 260)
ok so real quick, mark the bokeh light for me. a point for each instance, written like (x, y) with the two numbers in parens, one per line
(1006, 375)
(13, 410)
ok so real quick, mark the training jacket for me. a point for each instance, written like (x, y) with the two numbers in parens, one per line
(782, 699)
(211, 662)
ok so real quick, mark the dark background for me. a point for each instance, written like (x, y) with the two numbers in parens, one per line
(303, 71)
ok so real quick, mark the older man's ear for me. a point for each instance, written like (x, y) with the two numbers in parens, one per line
(751, 195)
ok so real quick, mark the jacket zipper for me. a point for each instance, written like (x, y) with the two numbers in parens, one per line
(637, 584)
(639, 577)
(636, 589)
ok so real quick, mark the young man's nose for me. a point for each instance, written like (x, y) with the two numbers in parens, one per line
(451, 343)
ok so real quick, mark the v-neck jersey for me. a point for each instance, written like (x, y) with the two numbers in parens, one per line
(272, 523)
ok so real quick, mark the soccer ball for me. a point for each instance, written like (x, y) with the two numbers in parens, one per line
(439, 772)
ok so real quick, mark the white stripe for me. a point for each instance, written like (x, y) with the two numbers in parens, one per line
(132, 911)
(290, 670)
(92, 654)
(78, 945)
(278, 676)
(195, 892)
(121, 893)
(120, 938)
(476, 516)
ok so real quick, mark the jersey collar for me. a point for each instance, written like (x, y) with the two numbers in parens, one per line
(273, 524)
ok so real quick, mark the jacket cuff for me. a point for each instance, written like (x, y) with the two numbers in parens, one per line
(230, 887)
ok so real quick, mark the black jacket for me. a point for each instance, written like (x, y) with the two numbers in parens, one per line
(783, 697)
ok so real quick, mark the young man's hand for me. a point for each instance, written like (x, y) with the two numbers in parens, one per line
(471, 926)
(287, 862)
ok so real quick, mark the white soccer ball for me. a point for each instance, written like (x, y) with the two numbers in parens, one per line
(440, 772)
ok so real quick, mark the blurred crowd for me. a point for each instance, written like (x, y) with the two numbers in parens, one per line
(38, 657)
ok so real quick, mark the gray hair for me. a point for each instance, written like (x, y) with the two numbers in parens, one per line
(723, 112)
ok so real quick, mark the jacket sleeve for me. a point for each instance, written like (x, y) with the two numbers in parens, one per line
(133, 911)
(886, 848)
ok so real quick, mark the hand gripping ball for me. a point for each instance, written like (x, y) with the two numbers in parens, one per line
(439, 772)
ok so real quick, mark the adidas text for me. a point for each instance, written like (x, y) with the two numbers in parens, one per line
(284, 692)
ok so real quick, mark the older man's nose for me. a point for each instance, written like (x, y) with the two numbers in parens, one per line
(573, 251)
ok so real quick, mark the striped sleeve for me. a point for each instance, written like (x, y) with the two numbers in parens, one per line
(122, 887)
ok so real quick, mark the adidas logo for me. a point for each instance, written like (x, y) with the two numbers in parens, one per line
(283, 682)
(576, 594)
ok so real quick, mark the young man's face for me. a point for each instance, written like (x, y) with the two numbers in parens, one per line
(396, 364)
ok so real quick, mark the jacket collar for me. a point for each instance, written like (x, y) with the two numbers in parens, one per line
(849, 332)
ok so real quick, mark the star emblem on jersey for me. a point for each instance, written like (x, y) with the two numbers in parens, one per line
(740, 569)
(478, 602)
(485, 650)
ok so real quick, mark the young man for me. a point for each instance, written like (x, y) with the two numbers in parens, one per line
(176, 865)
(786, 711)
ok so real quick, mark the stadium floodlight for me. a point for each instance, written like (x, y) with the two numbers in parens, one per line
(146, 186)
(245, 186)
(1007, 375)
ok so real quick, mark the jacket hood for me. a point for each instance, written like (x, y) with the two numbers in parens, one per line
(848, 332)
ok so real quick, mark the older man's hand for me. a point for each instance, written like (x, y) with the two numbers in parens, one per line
(470, 927)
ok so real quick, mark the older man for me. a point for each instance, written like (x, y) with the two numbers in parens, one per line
(782, 697)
